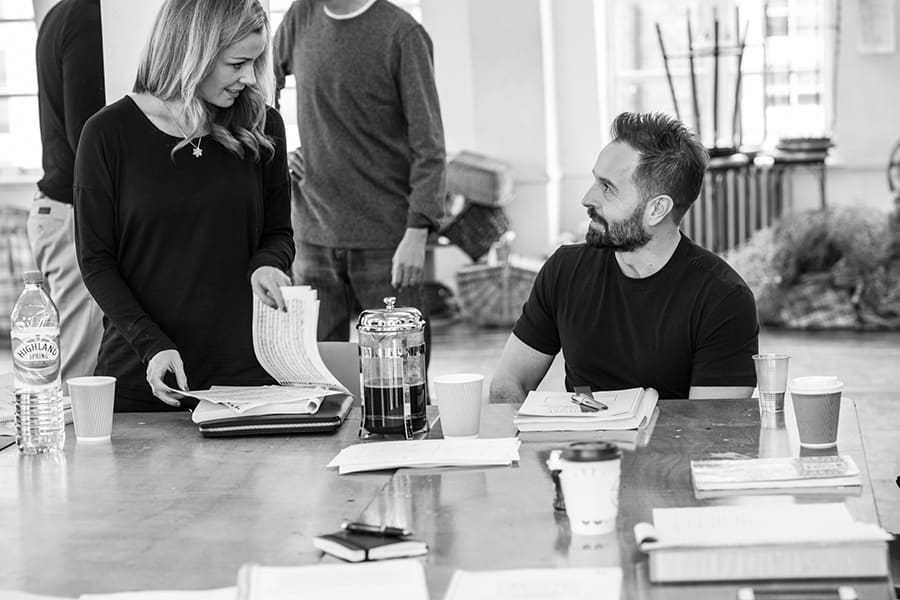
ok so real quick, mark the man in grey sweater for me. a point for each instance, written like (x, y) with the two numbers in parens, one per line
(369, 177)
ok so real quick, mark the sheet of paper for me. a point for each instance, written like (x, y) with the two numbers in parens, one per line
(285, 341)
(426, 453)
(7, 398)
(536, 584)
(229, 593)
(402, 579)
(759, 524)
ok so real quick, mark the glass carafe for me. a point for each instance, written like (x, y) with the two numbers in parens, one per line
(392, 359)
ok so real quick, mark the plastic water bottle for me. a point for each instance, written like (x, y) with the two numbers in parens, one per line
(40, 424)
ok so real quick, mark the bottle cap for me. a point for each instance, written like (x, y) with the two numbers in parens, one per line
(33, 277)
(590, 452)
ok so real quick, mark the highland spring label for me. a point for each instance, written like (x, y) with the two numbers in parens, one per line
(36, 359)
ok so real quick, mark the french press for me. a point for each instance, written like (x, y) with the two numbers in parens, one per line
(392, 360)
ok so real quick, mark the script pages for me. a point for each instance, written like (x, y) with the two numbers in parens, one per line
(285, 345)
(555, 411)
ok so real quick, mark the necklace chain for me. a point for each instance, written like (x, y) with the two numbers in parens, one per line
(197, 151)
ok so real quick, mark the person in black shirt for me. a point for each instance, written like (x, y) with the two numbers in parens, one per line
(182, 200)
(69, 57)
(639, 304)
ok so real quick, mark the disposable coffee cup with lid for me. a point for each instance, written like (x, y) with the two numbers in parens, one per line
(589, 477)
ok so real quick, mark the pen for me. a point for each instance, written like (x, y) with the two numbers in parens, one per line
(843, 592)
(584, 397)
(382, 530)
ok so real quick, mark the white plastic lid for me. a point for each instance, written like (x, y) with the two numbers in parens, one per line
(816, 385)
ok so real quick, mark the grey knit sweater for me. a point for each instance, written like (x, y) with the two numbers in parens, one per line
(370, 124)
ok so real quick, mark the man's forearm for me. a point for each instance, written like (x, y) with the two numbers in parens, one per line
(506, 392)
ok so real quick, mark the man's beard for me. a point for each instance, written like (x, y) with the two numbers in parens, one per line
(621, 236)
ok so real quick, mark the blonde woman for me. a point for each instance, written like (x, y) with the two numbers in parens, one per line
(182, 205)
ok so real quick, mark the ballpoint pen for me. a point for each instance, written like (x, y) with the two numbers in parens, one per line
(382, 530)
(584, 398)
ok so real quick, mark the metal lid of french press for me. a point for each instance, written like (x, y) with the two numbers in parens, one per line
(390, 319)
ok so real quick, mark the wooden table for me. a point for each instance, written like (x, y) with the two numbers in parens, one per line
(162, 508)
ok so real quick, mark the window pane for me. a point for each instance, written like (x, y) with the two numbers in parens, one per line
(17, 70)
(20, 143)
(16, 9)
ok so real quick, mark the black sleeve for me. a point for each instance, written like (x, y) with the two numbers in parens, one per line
(276, 245)
(96, 241)
(727, 340)
(536, 327)
(82, 74)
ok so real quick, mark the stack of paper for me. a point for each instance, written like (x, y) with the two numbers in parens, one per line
(536, 584)
(773, 473)
(402, 579)
(796, 541)
(555, 411)
(425, 454)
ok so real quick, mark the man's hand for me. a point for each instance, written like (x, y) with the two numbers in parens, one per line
(161, 363)
(296, 165)
(409, 260)
(266, 283)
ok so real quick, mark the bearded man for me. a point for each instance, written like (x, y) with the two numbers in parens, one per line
(638, 304)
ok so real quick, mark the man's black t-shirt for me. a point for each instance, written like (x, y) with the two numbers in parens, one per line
(692, 323)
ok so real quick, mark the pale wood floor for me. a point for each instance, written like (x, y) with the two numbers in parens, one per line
(868, 363)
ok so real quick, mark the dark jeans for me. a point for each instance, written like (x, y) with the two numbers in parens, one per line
(349, 280)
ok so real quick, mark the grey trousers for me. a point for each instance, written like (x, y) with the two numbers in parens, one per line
(51, 233)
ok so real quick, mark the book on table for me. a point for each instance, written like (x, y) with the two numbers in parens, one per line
(285, 345)
(554, 411)
(761, 542)
(789, 472)
(358, 547)
(626, 439)
(401, 579)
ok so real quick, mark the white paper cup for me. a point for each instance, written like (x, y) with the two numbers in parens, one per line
(92, 406)
(459, 403)
(590, 484)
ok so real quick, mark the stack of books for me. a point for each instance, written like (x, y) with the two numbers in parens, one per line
(772, 474)
(761, 542)
(555, 411)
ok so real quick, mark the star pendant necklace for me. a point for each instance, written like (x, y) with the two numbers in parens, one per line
(197, 151)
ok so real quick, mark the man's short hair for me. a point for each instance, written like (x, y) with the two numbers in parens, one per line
(672, 159)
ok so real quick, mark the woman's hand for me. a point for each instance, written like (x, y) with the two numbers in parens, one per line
(161, 363)
(266, 283)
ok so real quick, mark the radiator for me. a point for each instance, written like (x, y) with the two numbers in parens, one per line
(738, 198)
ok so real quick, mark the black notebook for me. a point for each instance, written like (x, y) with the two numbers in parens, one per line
(328, 418)
(357, 547)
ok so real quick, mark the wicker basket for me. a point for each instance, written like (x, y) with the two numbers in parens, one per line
(493, 295)
(480, 179)
(476, 228)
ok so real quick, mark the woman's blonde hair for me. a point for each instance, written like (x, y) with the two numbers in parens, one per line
(182, 51)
